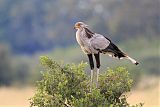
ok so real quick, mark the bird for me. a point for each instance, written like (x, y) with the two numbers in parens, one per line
(94, 44)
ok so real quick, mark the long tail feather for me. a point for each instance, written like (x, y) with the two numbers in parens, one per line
(113, 51)
(132, 60)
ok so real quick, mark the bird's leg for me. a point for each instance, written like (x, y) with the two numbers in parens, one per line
(92, 67)
(97, 57)
(97, 78)
(91, 81)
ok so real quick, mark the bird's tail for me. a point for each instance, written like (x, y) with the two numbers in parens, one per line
(113, 51)
(132, 60)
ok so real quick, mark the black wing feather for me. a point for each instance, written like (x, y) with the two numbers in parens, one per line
(115, 50)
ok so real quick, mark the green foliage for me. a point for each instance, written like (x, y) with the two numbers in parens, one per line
(68, 86)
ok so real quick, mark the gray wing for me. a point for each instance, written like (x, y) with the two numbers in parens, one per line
(99, 42)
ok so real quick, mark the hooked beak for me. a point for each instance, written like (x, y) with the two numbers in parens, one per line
(76, 27)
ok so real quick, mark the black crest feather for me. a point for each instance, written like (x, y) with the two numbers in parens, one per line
(89, 33)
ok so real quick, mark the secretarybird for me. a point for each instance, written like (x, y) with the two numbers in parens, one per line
(93, 44)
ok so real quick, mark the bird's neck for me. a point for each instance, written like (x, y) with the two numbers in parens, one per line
(85, 33)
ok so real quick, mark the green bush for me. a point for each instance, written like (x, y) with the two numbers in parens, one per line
(68, 86)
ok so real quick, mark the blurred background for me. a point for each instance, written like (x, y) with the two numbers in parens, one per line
(31, 28)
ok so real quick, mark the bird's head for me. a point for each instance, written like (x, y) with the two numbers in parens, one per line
(80, 25)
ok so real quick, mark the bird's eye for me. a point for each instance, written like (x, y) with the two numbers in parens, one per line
(78, 24)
